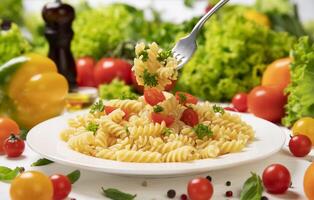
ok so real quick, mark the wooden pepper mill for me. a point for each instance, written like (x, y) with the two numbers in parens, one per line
(58, 31)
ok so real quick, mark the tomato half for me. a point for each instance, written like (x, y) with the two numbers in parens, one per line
(159, 118)
(276, 179)
(13, 146)
(7, 127)
(267, 102)
(61, 186)
(200, 189)
(85, 71)
(108, 69)
(239, 101)
(153, 96)
(189, 117)
(109, 109)
(300, 145)
(304, 126)
(31, 185)
(185, 98)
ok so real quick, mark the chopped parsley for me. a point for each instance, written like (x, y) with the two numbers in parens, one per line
(167, 132)
(182, 97)
(158, 109)
(163, 55)
(97, 107)
(218, 109)
(150, 79)
(144, 55)
(201, 131)
(93, 127)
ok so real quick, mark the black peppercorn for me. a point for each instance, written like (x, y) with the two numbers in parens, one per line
(228, 183)
(209, 178)
(264, 198)
(171, 194)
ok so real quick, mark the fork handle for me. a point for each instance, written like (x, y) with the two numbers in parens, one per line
(202, 21)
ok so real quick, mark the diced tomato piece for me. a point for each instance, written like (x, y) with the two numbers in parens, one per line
(153, 96)
(109, 109)
(189, 117)
(185, 98)
(159, 118)
(127, 114)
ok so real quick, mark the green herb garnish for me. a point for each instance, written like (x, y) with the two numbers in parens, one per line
(201, 131)
(158, 109)
(41, 162)
(144, 55)
(252, 188)
(218, 109)
(163, 55)
(93, 127)
(74, 176)
(167, 132)
(150, 79)
(115, 194)
(98, 106)
(127, 130)
(131, 96)
(182, 98)
(7, 174)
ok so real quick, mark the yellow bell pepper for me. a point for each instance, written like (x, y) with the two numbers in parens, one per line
(32, 90)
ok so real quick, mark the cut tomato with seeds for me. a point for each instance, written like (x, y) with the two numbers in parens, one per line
(189, 117)
(153, 96)
(185, 98)
(159, 118)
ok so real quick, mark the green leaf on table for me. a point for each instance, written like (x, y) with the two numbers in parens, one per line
(7, 174)
(116, 194)
(252, 188)
(74, 176)
(41, 162)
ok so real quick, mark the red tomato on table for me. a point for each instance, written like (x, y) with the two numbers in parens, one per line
(200, 189)
(13, 146)
(61, 186)
(85, 71)
(239, 101)
(276, 179)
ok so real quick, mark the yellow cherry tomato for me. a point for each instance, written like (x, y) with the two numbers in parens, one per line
(304, 126)
(257, 17)
(308, 182)
(31, 185)
(46, 87)
(36, 64)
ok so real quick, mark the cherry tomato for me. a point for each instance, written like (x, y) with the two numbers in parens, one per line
(140, 88)
(300, 145)
(153, 96)
(278, 73)
(276, 179)
(85, 71)
(31, 185)
(304, 126)
(267, 102)
(189, 117)
(108, 69)
(109, 109)
(185, 98)
(239, 101)
(13, 146)
(308, 182)
(7, 127)
(231, 109)
(200, 189)
(61, 186)
(159, 118)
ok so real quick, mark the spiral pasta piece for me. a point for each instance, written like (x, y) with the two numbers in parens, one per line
(147, 130)
(184, 153)
(138, 156)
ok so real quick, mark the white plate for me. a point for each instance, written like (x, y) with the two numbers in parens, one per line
(44, 139)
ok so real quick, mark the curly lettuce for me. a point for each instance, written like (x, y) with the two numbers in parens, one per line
(12, 10)
(233, 57)
(116, 90)
(301, 89)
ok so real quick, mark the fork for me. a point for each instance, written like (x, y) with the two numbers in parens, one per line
(185, 47)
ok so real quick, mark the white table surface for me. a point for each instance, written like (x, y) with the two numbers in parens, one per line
(89, 185)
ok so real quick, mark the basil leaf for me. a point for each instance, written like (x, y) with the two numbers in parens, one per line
(23, 134)
(7, 174)
(252, 188)
(115, 194)
(41, 162)
(74, 176)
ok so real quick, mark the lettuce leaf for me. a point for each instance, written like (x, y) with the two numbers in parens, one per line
(301, 90)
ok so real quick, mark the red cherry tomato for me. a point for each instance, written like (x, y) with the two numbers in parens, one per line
(300, 145)
(189, 117)
(13, 146)
(231, 109)
(153, 96)
(267, 102)
(61, 186)
(200, 189)
(159, 118)
(276, 179)
(185, 98)
(85, 74)
(239, 101)
(7, 127)
(108, 69)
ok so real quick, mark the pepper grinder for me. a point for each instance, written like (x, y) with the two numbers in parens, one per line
(58, 31)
